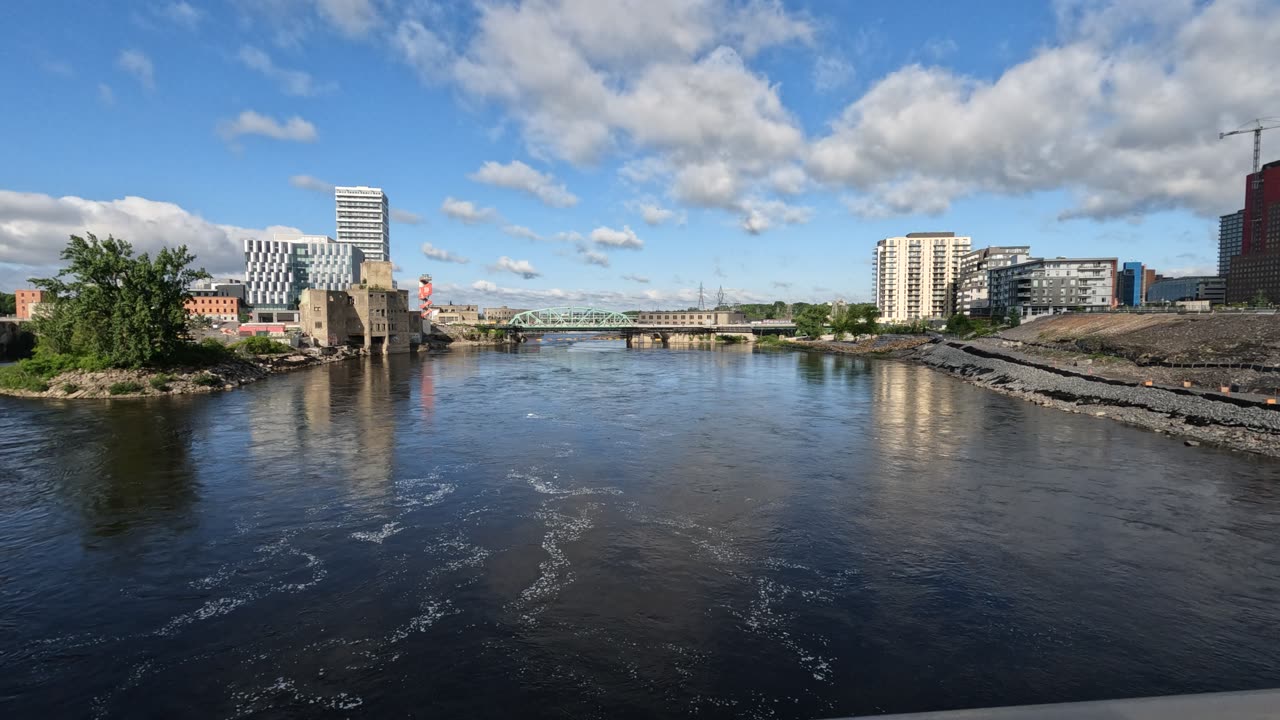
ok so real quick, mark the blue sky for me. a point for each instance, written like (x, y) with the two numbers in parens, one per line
(649, 145)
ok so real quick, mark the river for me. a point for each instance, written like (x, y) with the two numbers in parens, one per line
(586, 531)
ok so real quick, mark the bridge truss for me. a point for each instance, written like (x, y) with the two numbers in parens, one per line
(576, 318)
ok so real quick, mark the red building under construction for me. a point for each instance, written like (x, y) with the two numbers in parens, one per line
(1257, 267)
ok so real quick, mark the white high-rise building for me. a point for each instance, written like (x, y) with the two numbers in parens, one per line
(278, 270)
(364, 220)
(914, 277)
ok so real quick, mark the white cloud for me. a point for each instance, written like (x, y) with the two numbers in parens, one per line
(405, 216)
(34, 228)
(523, 268)
(105, 95)
(789, 180)
(520, 231)
(465, 211)
(670, 82)
(138, 65)
(353, 18)
(249, 122)
(181, 13)
(593, 257)
(314, 184)
(518, 176)
(1123, 112)
(571, 236)
(760, 215)
(831, 72)
(636, 278)
(442, 255)
(292, 82)
(624, 239)
(422, 50)
(654, 214)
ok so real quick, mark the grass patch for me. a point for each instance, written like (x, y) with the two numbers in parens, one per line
(69, 388)
(261, 346)
(730, 339)
(161, 382)
(34, 373)
(124, 388)
(206, 380)
(769, 340)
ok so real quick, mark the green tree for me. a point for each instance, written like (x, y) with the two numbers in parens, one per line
(8, 304)
(959, 324)
(106, 303)
(1260, 300)
(811, 320)
(1014, 318)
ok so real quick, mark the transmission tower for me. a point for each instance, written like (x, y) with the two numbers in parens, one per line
(702, 298)
(720, 298)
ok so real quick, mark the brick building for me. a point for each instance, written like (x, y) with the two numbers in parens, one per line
(25, 299)
(225, 308)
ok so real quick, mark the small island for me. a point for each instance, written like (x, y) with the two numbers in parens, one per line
(113, 324)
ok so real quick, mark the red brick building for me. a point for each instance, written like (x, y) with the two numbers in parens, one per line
(215, 307)
(1257, 268)
(25, 299)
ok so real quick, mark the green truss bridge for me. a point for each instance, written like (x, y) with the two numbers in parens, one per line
(585, 319)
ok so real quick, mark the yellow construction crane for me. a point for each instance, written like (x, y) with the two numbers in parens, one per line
(1256, 127)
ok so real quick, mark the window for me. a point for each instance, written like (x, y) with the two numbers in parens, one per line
(319, 324)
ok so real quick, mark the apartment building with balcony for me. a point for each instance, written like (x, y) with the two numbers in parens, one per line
(972, 294)
(914, 277)
(1040, 287)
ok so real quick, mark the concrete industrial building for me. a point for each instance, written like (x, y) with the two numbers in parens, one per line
(278, 270)
(1167, 291)
(1230, 239)
(1256, 270)
(690, 317)
(25, 301)
(500, 315)
(369, 315)
(364, 221)
(457, 314)
(915, 277)
(1042, 287)
(229, 287)
(972, 296)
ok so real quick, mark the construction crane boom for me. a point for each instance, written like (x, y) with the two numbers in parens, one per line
(1256, 127)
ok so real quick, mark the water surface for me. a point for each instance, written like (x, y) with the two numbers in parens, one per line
(588, 531)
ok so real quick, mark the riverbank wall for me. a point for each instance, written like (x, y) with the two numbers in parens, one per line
(1228, 420)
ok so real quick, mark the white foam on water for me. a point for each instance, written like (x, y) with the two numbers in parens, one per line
(257, 701)
(437, 493)
(432, 611)
(378, 536)
(218, 607)
(554, 573)
(546, 487)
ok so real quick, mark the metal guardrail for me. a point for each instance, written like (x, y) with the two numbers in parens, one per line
(1255, 705)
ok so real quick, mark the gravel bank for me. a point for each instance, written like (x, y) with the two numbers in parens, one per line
(1198, 419)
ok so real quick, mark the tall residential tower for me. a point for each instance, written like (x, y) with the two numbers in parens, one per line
(914, 277)
(364, 221)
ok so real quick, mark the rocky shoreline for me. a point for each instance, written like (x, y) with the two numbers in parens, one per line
(1198, 417)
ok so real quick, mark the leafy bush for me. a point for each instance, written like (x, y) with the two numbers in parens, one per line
(261, 346)
(730, 339)
(124, 388)
(769, 340)
(14, 377)
(206, 380)
(69, 388)
(161, 382)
